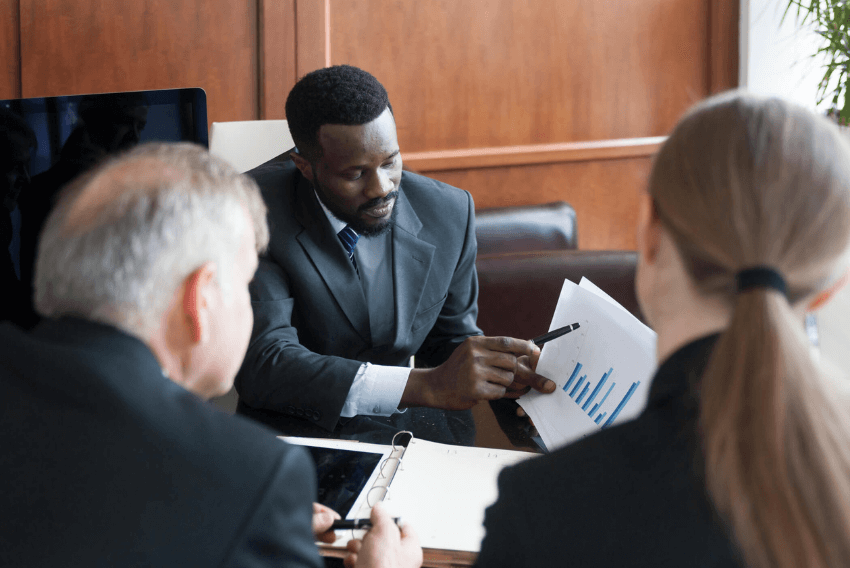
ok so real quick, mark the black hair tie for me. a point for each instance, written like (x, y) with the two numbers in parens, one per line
(761, 277)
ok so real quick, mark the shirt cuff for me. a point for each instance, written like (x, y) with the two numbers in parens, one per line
(376, 391)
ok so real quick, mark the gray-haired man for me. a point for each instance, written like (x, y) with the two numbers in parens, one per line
(108, 455)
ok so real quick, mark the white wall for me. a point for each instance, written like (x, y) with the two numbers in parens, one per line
(776, 60)
(775, 55)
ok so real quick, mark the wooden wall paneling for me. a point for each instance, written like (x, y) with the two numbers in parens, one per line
(313, 27)
(10, 50)
(604, 193)
(524, 102)
(489, 73)
(277, 44)
(724, 17)
(110, 45)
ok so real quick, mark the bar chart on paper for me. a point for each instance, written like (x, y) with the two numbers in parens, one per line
(590, 382)
(602, 370)
(597, 412)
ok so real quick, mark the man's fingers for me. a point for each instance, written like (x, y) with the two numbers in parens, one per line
(525, 376)
(512, 345)
(381, 520)
(408, 533)
(539, 383)
(498, 377)
(514, 394)
(489, 391)
(350, 561)
(354, 545)
(535, 357)
(323, 518)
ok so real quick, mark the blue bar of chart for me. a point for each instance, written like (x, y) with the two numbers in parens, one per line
(621, 405)
(578, 386)
(573, 388)
(573, 376)
(604, 398)
(596, 390)
(584, 392)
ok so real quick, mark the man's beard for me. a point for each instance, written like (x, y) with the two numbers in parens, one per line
(384, 226)
(355, 222)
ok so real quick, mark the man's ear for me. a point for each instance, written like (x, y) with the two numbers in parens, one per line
(303, 165)
(649, 229)
(198, 289)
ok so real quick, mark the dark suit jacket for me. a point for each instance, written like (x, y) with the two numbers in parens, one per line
(311, 322)
(105, 462)
(631, 495)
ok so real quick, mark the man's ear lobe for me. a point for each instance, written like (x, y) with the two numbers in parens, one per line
(303, 165)
(196, 301)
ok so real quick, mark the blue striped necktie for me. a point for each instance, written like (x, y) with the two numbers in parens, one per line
(348, 237)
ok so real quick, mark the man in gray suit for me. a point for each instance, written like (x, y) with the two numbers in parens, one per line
(338, 317)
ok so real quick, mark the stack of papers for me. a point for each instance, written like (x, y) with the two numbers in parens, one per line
(602, 370)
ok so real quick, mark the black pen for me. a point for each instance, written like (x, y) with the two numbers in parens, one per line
(555, 334)
(355, 524)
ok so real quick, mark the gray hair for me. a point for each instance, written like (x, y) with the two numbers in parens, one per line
(124, 237)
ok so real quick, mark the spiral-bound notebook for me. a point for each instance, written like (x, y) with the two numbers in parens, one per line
(441, 490)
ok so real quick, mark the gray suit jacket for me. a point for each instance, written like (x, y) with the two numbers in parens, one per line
(311, 322)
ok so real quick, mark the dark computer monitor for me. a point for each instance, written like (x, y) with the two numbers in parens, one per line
(46, 142)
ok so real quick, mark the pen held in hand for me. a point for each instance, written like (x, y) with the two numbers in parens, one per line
(356, 524)
(554, 334)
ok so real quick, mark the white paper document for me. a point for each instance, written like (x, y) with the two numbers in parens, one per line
(443, 491)
(602, 370)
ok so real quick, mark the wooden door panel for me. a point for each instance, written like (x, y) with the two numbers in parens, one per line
(91, 46)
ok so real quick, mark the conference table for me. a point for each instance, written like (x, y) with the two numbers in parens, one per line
(433, 558)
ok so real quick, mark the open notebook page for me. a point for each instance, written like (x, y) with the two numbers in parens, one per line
(443, 490)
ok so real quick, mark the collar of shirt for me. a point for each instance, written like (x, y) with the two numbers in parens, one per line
(336, 224)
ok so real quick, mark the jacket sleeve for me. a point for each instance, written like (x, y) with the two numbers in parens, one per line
(279, 532)
(459, 314)
(279, 373)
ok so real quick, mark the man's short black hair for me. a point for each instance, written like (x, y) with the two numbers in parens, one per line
(341, 94)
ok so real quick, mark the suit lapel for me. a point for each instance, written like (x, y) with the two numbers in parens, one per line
(324, 250)
(411, 264)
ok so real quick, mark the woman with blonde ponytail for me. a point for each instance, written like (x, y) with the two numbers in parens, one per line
(742, 456)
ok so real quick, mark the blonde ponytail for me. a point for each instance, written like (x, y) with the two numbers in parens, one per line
(773, 468)
(743, 182)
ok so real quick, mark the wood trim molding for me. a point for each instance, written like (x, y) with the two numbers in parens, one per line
(432, 557)
(312, 35)
(724, 17)
(532, 154)
(277, 49)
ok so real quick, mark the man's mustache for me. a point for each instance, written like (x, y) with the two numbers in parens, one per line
(378, 201)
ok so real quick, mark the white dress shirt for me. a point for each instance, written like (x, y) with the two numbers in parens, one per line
(377, 389)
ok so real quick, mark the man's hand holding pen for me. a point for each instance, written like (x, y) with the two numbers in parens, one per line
(481, 368)
(386, 545)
